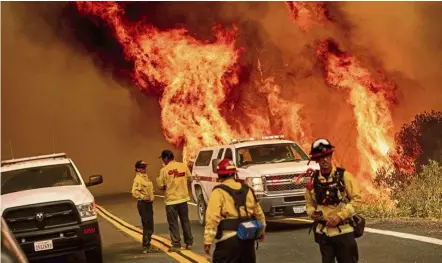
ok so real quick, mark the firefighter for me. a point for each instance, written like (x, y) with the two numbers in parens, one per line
(332, 199)
(174, 178)
(142, 190)
(225, 214)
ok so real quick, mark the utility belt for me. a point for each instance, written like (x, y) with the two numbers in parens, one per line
(247, 228)
(324, 222)
(357, 222)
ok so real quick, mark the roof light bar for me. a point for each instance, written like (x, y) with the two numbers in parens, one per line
(40, 157)
(272, 137)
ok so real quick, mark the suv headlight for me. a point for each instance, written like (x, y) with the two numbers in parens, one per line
(255, 183)
(87, 210)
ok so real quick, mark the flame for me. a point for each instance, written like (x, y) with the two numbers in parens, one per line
(285, 114)
(370, 104)
(306, 14)
(193, 79)
(371, 100)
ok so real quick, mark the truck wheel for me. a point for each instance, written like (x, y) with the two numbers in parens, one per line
(201, 210)
(94, 256)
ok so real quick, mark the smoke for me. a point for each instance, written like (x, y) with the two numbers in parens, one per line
(50, 87)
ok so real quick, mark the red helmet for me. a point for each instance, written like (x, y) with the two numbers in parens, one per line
(226, 166)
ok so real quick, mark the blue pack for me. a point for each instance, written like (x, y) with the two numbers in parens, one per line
(250, 230)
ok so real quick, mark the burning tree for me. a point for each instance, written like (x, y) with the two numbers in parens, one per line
(421, 139)
(417, 143)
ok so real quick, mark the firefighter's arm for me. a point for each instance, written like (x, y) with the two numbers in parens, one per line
(161, 179)
(354, 195)
(150, 191)
(136, 190)
(188, 174)
(259, 214)
(213, 216)
(310, 205)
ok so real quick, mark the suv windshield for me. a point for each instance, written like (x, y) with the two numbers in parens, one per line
(270, 153)
(39, 177)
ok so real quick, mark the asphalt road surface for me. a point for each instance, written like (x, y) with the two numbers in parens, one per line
(286, 241)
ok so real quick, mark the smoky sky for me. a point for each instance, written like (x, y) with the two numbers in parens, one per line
(66, 75)
(51, 88)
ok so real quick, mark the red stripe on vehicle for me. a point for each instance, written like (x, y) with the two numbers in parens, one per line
(205, 178)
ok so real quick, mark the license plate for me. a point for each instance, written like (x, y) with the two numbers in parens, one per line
(43, 245)
(299, 209)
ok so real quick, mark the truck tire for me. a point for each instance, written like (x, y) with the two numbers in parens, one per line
(201, 210)
(94, 256)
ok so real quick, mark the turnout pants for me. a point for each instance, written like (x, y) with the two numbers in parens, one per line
(234, 250)
(174, 212)
(145, 209)
(342, 247)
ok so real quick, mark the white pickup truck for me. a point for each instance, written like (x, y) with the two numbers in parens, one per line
(268, 165)
(48, 208)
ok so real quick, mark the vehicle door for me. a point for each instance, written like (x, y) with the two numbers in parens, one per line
(214, 176)
(202, 170)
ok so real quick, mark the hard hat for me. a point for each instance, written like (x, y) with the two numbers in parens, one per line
(321, 147)
(225, 167)
(140, 164)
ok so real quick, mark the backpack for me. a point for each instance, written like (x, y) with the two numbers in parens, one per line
(248, 228)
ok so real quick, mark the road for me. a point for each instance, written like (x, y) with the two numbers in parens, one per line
(286, 241)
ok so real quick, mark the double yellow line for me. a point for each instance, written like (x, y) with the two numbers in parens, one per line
(183, 256)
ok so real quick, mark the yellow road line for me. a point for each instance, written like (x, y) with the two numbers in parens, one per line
(117, 222)
(139, 238)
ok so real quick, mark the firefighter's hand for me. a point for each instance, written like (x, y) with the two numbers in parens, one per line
(316, 217)
(333, 221)
(262, 238)
(207, 249)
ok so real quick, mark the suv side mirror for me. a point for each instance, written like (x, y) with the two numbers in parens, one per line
(94, 180)
(215, 163)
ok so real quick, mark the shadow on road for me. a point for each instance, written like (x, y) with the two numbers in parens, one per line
(121, 252)
(284, 226)
(72, 258)
(130, 252)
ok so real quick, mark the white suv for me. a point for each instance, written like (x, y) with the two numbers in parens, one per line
(267, 165)
(48, 208)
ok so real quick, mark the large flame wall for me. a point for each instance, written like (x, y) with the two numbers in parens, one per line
(195, 79)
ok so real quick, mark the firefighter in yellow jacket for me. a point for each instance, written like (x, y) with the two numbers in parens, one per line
(174, 178)
(231, 205)
(142, 190)
(332, 199)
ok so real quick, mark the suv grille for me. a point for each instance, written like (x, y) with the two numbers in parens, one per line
(41, 216)
(279, 183)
